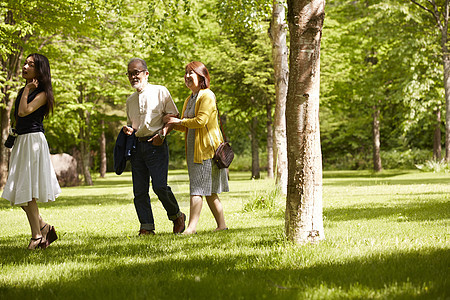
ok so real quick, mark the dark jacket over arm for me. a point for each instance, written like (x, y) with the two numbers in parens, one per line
(125, 144)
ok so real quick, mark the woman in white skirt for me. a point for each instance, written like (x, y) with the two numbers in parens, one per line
(31, 177)
(202, 136)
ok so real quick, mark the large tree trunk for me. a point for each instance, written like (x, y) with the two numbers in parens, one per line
(377, 167)
(304, 220)
(102, 150)
(255, 149)
(269, 141)
(277, 32)
(437, 147)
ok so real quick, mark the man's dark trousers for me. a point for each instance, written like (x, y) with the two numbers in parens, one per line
(149, 161)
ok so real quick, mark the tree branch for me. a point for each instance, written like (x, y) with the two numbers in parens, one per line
(435, 13)
(446, 13)
(46, 41)
(422, 7)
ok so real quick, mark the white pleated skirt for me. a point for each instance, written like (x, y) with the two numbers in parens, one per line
(31, 174)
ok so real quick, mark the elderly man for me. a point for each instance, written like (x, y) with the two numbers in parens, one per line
(145, 111)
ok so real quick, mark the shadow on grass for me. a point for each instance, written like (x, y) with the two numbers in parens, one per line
(222, 266)
(410, 211)
(387, 181)
(364, 174)
(108, 199)
(75, 201)
(112, 181)
(95, 200)
(108, 184)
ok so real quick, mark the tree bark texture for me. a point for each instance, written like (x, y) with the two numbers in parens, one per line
(277, 33)
(12, 67)
(85, 153)
(376, 139)
(447, 102)
(443, 26)
(269, 129)
(256, 172)
(84, 141)
(102, 150)
(304, 220)
(437, 146)
(4, 152)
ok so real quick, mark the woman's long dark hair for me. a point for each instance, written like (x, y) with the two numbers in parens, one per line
(43, 75)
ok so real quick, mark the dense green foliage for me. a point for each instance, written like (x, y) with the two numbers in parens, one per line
(383, 53)
(386, 238)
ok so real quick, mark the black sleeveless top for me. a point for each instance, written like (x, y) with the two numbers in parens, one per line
(32, 122)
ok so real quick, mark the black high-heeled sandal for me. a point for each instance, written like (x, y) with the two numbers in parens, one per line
(50, 235)
(37, 243)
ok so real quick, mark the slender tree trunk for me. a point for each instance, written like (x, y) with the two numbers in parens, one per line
(84, 141)
(304, 220)
(223, 123)
(85, 151)
(447, 103)
(269, 141)
(277, 33)
(441, 16)
(11, 67)
(255, 151)
(437, 147)
(4, 152)
(102, 150)
(377, 167)
(443, 26)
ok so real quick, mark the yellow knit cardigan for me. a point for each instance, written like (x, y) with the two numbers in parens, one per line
(205, 116)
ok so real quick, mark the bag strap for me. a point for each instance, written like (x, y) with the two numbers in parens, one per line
(210, 139)
(222, 132)
(221, 125)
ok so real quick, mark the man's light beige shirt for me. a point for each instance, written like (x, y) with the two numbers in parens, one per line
(146, 109)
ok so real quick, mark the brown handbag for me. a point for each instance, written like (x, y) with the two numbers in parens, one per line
(223, 155)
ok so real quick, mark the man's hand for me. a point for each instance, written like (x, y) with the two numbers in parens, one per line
(156, 140)
(127, 130)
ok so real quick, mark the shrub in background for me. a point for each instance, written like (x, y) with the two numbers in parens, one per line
(434, 166)
(408, 159)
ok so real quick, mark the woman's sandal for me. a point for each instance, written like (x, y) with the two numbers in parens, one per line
(37, 243)
(50, 233)
(218, 230)
(189, 232)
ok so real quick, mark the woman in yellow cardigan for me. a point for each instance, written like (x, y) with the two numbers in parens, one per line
(202, 136)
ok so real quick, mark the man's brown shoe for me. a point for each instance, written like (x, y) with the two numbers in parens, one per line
(178, 224)
(146, 232)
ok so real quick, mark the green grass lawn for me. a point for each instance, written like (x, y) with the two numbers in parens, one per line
(387, 237)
